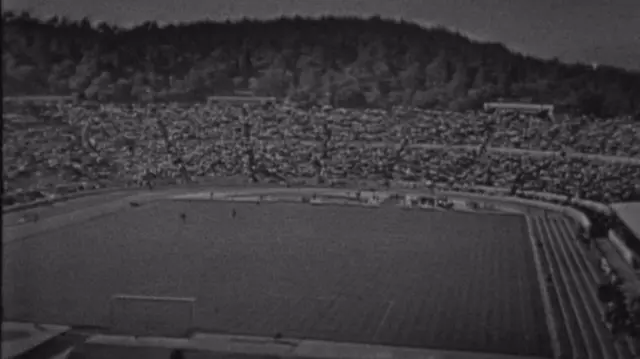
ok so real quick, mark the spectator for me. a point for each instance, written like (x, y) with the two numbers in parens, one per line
(112, 145)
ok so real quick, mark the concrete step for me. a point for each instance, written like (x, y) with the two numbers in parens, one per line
(558, 331)
(599, 336)
(588, 258)
(572, 344)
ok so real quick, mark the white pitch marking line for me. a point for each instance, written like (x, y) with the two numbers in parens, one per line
(384, 319)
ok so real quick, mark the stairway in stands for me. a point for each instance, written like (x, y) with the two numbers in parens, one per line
(571, 275)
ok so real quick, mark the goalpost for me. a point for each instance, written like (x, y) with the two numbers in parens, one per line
(139, 315)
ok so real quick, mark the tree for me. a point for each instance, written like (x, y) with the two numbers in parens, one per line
(412, 78)
(121, 90)
(272, 81)
(591, 103)
(100, 89)
(437, 72)
(346, 60)
(245, 63)
(348, 92)
(479, 79)
(458, 85)
(83, 75)
(59, 75)
(309, 83)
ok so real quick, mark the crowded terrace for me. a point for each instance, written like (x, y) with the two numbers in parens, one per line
(58, 148)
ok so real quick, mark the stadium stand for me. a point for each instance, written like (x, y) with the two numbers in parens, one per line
(90, 146)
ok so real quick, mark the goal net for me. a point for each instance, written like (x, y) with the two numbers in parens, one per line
(151, 316)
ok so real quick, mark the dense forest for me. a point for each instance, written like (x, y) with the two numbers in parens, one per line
(345, 62)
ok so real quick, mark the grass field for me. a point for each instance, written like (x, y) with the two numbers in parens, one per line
(435, 280)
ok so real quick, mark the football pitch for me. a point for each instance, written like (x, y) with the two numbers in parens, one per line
(439, 280)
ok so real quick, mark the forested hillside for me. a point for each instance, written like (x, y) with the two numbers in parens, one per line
(345, 62)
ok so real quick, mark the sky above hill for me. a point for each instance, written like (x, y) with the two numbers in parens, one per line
(602, 31)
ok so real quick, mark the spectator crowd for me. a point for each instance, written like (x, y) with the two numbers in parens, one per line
(58, 148)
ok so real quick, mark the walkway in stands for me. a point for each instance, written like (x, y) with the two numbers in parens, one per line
(570, 275)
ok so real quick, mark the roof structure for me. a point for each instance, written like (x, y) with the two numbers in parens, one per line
(629, 214)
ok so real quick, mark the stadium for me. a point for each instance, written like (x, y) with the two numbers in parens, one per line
(326, 187)
(317, 248)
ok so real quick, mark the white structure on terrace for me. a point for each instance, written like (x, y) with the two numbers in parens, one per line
(629, 213)
(519, 107)
(240, 99)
